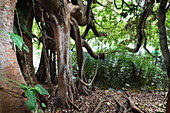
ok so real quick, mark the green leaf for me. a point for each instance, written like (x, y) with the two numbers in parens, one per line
(42, 90)
(32, 99)
(38, 90)
(108, 103)
(25, 48)
(26, 76)
(15, 30)
(17, 40)
(33, 2)
(24, 86)
(43, 105)
(142, 106)
(26, 30)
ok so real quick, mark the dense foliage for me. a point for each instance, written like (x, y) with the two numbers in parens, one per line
(126, 70)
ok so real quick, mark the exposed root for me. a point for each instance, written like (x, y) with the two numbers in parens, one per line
(69, 104)
(130, 104)
(122, 108)
(83, 90)
(98, 106)
(74, 106)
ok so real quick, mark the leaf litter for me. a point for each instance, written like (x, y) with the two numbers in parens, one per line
(150, 102)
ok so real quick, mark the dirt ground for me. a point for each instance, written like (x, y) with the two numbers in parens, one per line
(107, 102)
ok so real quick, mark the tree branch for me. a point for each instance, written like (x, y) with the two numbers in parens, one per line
(116, 4)
(100, 25)
(95, 31)
(89, 2)
(121, 107)
(149, 51)
(140, 28)
(163, 34)
(167, 7)
(90, 51)
(85, 32)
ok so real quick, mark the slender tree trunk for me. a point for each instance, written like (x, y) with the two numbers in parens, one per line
(82, 89)
(47, 65)
(40, 74)
(11, 99)
(164, 43)
(26, 59)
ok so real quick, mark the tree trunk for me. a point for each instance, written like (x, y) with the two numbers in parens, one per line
(164, 43)
(59, 12)
(11, 100)
(50, 50)
(65, 82)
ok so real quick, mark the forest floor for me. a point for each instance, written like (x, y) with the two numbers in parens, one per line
(150, 102)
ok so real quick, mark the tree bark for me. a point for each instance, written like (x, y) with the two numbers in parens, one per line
(60, 17)
(164, 43)
(11, 100)
(41, 70)
(82, 89)
(62, 36)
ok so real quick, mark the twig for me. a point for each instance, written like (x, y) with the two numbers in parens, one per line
(100, 25)
(116, 4)
(72, 47)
